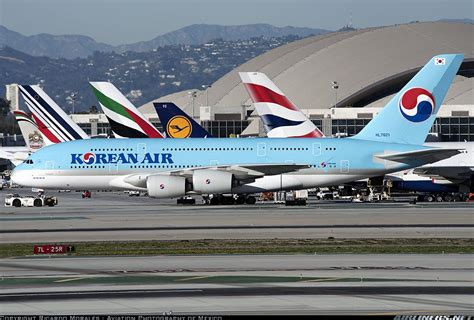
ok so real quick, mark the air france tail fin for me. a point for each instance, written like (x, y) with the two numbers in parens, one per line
(178, 124)
(281, 118)
(49, 116)
(33, 136)
(408, 117)
(124, 118)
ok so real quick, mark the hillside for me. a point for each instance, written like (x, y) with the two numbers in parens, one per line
(142, 76)
(77, 46)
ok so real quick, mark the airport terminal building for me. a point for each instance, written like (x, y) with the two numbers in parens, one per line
(454, 123)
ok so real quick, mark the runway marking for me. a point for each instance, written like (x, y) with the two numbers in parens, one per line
(193, 278)
(70, 279)
(324, 279)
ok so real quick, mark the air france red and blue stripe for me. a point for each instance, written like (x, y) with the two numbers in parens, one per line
(280, 117)
(47, 114)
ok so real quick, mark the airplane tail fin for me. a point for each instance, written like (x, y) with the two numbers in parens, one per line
(33, 136)
(47, 114)
(124, 118)
(178, 124)
(408, 117)
(281, 118)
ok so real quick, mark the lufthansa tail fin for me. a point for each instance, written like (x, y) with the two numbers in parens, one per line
(49, 116)
(408, 117)
(280, 117)
(178, 124)
(125, 120)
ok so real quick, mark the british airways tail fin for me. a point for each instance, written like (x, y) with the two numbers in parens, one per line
(408, 117)
(49, 116)
(125, 120)
(177, 123)
(280, 117)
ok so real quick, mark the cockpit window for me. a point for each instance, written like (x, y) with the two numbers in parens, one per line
(28, 161)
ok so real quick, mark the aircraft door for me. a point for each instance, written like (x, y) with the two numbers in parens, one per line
(141, 151)
(49, 165)
(113, 168)
(316, 149)
(261, 149)
(141, 148)
(344, 166)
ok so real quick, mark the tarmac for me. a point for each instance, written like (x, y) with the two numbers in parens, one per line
(235, 284)
(115, 216)
(239, 284)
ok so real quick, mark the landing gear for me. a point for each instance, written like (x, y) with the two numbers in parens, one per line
(251, 200)
(240, 199)
(215, 201)
(442, 197)
(186, 200)
(219, 199)
(429, 198)
(448, 198)
(224, 200)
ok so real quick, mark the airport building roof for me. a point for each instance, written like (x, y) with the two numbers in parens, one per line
(368, 64)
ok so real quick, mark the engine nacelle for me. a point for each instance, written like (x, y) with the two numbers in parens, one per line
(162, 186)
(212, 181)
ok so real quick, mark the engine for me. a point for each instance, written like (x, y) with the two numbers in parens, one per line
(162, 186)
(212, 181)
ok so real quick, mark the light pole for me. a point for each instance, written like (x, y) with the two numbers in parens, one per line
(193, 95)
(206, 87)
(73, 97)
(335, 86)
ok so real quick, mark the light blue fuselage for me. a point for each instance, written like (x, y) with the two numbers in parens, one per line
(330, 161)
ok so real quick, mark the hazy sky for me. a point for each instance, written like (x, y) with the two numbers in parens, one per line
(120, 21)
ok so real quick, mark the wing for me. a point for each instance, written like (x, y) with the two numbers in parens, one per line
(453, 174)
(420, 157)
(244, 173)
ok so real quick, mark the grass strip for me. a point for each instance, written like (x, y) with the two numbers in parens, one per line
(256, 246)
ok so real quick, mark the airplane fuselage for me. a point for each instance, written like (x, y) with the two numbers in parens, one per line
(105, 163)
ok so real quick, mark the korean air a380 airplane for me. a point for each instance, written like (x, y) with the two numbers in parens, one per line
(165, 168)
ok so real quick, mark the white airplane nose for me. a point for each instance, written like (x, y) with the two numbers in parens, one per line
(14, 176)
(19, 177)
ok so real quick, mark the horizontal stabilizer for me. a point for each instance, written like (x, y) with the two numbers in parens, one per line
(419, 157)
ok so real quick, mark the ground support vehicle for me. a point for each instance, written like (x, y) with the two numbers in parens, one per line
(16, 200)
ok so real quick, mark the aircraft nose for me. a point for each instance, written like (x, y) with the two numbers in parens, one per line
(14, 176)
(19, 177)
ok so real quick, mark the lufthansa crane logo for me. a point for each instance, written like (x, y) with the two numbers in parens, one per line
(179, 127)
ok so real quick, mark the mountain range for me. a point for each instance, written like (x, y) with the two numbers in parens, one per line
(141, 76)
(78, 46)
